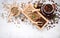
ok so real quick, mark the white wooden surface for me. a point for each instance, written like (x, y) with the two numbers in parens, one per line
(26, 30)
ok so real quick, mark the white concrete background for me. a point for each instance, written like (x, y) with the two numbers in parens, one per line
(9, 30)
